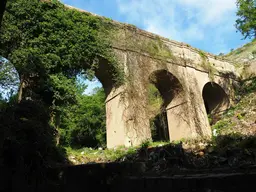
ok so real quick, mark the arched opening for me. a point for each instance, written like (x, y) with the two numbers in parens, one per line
(111, 78)
(167, 87)
(215, 98)
(84, 125)
(9, 81)
(157, 113)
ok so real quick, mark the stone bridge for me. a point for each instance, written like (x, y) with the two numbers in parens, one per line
(192, 84)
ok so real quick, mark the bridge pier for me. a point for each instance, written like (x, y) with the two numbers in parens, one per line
(122, 127)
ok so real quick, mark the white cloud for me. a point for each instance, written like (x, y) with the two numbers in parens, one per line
(190, 21)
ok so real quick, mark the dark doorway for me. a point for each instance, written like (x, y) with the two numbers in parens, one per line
(215, 98)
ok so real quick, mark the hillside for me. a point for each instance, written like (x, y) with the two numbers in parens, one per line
(241, 118)
(244, 58)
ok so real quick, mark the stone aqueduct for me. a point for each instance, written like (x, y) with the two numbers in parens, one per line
(192, 83)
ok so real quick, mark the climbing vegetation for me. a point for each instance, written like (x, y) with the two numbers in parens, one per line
(49, 44)
(206, 65)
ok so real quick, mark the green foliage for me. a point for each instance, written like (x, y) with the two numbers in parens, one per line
(158, 121)
(145, 144)
(210, 118)
(88, 155)
(202, 54)
(222, 124)
(246, 22)
(251, 87)
(84, 124)
(207, 65)
(158, 48)
(254, 53)
(155, 100)
(247, 86)
(48, 44)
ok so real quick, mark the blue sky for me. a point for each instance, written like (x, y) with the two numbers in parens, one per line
(205, 24)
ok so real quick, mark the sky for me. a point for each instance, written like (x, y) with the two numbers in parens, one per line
(204, 24)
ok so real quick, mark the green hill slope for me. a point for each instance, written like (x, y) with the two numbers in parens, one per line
(244, 59)
(241, 118)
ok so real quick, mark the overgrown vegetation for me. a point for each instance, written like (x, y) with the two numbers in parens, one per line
(158, 117)
(206, 65)
(49, 44)
(100, 155)
(240, 119)
(84, 124)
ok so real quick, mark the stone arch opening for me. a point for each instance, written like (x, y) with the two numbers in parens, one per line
(9, 78)
(170, 90)
(109, 76)
(215, 98)
(106, 74)
(91, 124)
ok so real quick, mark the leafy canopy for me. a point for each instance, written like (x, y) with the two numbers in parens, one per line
(50, 44)
(246, 22)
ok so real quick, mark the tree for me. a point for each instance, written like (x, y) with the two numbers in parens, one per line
(246, 22)
(49, 45)
(84, 124)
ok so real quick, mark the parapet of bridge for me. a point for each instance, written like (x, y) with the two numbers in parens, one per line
(192, 84)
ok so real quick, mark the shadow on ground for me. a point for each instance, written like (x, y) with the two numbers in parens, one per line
(27, 146)
(223, 152)
(30, 161)
(225, 164)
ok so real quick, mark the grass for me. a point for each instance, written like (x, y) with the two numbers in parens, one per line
(242, 53)
(89, 155)
(240, 118)
(230, 129)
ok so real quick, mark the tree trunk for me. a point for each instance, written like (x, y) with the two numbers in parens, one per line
(57, 125)
(2, 9)
(22, 84)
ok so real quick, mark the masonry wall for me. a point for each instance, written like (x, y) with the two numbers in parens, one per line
(142, 54)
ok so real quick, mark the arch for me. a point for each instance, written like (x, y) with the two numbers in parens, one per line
(215, 98)
(106, 74)
(172, 94)
(167, 84)
(9, 79)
